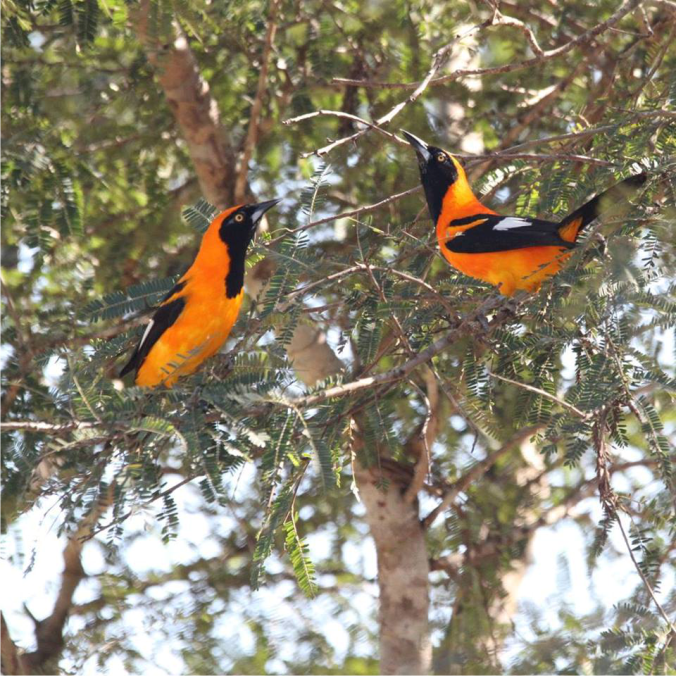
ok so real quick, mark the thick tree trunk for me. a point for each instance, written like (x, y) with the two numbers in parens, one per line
(403, 565)
(196, 112)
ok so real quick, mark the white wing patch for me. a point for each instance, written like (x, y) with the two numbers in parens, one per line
(145, 334)
(511, 222)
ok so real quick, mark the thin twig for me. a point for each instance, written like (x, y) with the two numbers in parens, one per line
(439, 59)
(622, 11)
(426, 434)
(347, 116)
(504, 310)
(476, 471)
(346, 214)
(547, 395)
(647, 584)
(38, 426)
(502, 20)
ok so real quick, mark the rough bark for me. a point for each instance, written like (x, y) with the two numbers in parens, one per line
(194, 109)
(12, 662)
(403, 566)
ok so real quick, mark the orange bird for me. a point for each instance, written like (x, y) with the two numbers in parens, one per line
(510, 252)
(195, 318)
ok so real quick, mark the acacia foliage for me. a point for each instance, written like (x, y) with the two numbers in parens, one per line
(95, 179)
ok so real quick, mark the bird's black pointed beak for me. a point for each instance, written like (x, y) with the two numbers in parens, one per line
(421, 148)
(257, 210)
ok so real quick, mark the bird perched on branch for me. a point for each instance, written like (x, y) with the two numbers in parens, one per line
(195, 318)
(509, 252)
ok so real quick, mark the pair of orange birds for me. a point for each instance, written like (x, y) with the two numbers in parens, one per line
(195, 318)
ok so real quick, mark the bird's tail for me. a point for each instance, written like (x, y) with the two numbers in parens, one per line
(574, 223)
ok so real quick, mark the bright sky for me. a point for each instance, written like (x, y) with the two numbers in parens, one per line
(557, 576)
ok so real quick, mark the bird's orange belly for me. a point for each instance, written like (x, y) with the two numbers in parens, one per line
(510, 270)
(199, 332)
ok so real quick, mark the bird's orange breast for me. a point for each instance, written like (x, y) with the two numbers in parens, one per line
(200, 331)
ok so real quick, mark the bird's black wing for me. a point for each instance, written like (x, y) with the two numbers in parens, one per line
(166, 316)
(493, 233)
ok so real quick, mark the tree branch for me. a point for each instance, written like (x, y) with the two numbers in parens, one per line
(255, 115)
(438, 60)
(477, 471)
(347, 214)
(564, 404)
(621, 12)
(12, 660)
(194, 109)
(469, 324)
(49, 632)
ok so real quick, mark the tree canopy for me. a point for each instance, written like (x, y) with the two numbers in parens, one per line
(367, 389)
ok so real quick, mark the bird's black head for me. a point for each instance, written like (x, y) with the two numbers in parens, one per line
(236, 230)
(438, 172)
(238, 225)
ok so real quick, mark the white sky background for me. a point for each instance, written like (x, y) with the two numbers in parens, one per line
(611, 581)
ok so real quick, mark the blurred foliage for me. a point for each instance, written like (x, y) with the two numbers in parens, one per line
(95, 177)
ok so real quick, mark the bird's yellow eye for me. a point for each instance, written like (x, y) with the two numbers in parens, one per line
(441, 157)
(239, 218)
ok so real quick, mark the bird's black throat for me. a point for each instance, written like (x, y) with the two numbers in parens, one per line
(237, 239)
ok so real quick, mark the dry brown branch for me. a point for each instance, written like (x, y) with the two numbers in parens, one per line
(346, 116)
(241, 188)
(438, 60)
(501, 20)
(552, 157)
(39, 426)
(506, 155)
(504, 309)
(347, 214)
(585, 38)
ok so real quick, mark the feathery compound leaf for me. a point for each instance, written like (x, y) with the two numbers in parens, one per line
(87, 20)
(290, 254)
(275, 518)
(199, 215)
(297, 548)
(70, 194)
(66, 13)
(310, 198)
(136, 298)
(321, 452)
